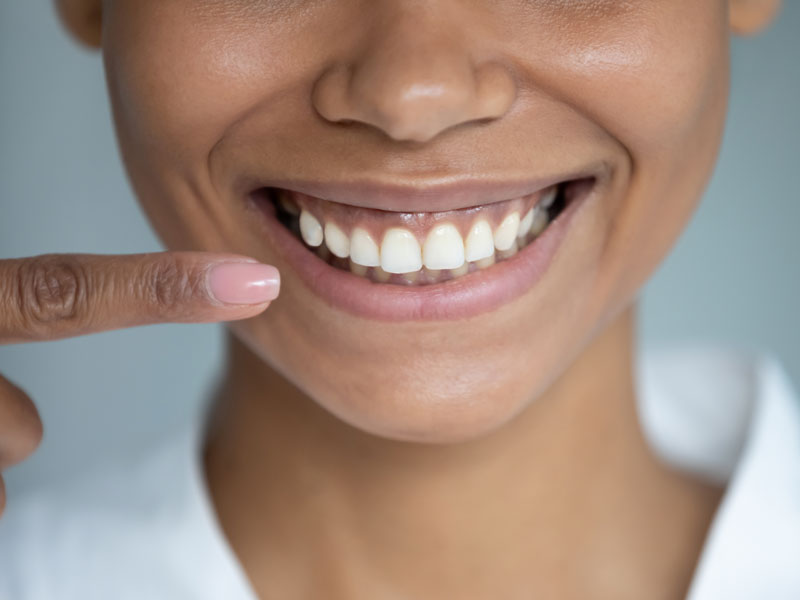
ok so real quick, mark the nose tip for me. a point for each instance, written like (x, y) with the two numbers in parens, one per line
(414, 94)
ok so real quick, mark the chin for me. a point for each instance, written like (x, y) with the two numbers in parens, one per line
(411, 397)
(425, 414)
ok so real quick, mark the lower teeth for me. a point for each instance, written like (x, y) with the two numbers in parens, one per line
(287, 217)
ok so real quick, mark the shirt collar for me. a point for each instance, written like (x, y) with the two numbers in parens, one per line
(741, 425)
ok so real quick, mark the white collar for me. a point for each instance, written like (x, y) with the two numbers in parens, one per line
(733, 419)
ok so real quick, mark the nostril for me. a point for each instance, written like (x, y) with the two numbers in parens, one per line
(416, 94)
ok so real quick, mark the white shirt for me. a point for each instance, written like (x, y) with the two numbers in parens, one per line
(147, 530)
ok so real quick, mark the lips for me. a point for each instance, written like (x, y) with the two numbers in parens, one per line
(354, 257)
(429, 195)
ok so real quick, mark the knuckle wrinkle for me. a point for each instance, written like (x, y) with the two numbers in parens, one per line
(52, 290)
(170, 286)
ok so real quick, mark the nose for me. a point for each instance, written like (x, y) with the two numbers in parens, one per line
(413, 79)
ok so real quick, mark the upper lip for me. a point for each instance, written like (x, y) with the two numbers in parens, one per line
(443, 194)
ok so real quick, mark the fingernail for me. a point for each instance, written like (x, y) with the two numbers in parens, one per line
(244, 282)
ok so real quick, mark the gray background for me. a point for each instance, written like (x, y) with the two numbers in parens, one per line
(734, 277)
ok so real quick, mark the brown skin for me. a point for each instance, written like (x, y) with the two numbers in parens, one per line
(54, 296)
(450, 468)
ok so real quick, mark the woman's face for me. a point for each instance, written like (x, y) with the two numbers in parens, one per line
(215, 100)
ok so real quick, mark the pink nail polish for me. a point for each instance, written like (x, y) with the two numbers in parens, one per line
(244, 283)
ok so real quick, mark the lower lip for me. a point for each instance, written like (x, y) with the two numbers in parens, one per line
(467, 296)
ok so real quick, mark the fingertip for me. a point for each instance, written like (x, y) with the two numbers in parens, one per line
(243, 283)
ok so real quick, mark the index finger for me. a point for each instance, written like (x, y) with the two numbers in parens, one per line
(54, 296)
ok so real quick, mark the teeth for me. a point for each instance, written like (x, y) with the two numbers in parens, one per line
(357, 269)
(288, 205)
(509, 252)
(480, 243)
(363, 249)
(462, 270)
(525, 224)
(506, 234)
(540, 221)
(400, 251)
(444, 248)
(310, 229)
(410, 278)
(431, 275)
(549, 198)
(485, 262)
(336, 240)
(381, 275)
(444, 254)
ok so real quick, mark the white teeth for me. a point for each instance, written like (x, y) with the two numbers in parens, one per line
(480, 243)
(548, 199)
(525, 223)
(310, 229)
(509, 252)
(400, 251)
(506, 234)
(337, 240)
(363, 249)
(444, 248)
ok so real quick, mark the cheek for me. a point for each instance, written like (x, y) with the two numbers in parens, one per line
(650, 77)
(179, 79)
(173, 98)
(660, 89)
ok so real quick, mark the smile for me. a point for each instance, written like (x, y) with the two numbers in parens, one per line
(393, 265)
(416, 248)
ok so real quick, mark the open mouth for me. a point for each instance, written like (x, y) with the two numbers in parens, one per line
(420, 248)
(391, 265)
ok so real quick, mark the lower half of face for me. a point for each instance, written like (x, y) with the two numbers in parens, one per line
(458, 198)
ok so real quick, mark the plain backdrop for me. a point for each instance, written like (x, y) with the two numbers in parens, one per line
(734, 277)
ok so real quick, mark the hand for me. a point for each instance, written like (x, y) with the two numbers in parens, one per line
(54, 296)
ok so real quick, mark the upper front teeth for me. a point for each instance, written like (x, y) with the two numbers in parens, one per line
(444, 248)
(363, 249)
(526, 223)
(337, 240)
(480, 241)
(506, 234)
(400, 251)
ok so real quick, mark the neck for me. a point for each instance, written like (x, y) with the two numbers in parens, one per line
(566, 500)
